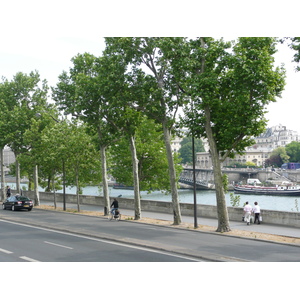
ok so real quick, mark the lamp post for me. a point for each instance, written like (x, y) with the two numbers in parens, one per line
(194, 168)
(194, 180)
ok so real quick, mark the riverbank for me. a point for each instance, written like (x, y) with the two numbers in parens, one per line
(203, 197)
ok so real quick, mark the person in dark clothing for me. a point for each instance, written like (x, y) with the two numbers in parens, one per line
(8, 192)
(115, 206)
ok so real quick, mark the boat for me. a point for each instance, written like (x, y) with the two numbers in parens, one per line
(282, 190)
(122, 186)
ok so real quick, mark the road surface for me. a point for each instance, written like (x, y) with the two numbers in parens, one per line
(199, 245)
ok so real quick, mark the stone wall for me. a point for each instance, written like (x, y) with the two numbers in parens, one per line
(207, 211)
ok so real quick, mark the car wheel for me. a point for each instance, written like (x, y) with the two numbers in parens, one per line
(3, 206)
(29, 209)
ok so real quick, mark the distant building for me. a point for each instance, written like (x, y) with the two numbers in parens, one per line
(272, 138)
(175, 143)
(8, 156)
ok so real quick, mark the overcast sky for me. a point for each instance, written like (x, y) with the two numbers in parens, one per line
(45, 35)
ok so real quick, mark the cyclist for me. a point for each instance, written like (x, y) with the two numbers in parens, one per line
(115, 206)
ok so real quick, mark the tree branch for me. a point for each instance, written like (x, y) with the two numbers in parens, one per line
(240, 137)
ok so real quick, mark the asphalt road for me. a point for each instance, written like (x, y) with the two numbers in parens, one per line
(21, 242)
(120, 241)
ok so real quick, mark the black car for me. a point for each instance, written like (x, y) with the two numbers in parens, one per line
(18, 202)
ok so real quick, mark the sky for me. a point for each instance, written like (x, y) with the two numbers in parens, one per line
(45, 35)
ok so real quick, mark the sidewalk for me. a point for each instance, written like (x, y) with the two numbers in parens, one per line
(262, 228)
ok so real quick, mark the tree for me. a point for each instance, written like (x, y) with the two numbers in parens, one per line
(278, 157)
(23, 97)
(68, 151)
(83, 163)
(185, 150)
(293, 151)
(82, 93)
(121, 113)
(165, 98)
(229, 87)
(294, 44)
(4, 112)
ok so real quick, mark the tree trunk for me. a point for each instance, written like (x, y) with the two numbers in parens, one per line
(136, 184)
(77, 191)
(172, 174)
(104, 180)
(3, 195)
(18, 180)
(36, 187)
(223, 220)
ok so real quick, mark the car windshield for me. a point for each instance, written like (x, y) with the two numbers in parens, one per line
(17, 198)
(21, 198)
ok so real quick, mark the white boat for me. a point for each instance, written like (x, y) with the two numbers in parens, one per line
(283, 190)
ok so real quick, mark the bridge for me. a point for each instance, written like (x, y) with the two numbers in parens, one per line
(200, 184)
(202, 178)
(205, 176)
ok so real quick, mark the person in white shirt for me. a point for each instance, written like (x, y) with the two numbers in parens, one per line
(247, 212)
(256, 211)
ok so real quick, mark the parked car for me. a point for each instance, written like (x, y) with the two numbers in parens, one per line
(18, 202)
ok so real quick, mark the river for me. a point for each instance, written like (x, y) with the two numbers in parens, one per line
(280, 203)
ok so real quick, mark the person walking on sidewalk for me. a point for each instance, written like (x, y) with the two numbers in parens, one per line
(256, 211)
(8, 192)
(247, 211)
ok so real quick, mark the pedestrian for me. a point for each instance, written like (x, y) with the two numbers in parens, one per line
(115, 206)
(256, 211)
(247, 212)
(8, 192)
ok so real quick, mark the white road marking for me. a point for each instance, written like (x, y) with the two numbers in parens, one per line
(28, 259)
(58, 245)
(5, 251)
(106, 241)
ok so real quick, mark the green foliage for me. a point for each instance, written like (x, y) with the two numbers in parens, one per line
(151, 154)
(225, 182)
(22, 98)
(277, 157)
(293, 151)
(185, 150)
(234, 200)
(69, 143)
(232, 86)
(294, 44)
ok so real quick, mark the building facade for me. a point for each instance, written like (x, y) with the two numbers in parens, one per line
(8, 156)
(272, 138)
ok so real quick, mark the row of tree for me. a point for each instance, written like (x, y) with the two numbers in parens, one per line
(67, 149)
(138, 84)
